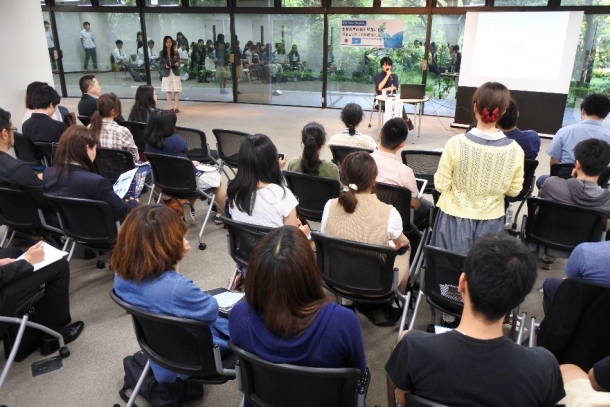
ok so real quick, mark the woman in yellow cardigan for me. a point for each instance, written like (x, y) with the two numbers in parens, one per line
(477, 169)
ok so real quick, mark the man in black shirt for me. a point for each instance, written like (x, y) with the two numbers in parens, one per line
(386, 81)
(91, 90)
(475, 365)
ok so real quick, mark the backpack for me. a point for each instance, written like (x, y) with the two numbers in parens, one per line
(157, 394)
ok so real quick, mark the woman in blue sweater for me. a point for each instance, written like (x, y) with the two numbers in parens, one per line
(286, 317)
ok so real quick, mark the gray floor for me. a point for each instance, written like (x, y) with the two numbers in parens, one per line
(93, 374)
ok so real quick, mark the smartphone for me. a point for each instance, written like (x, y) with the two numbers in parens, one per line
(280, 156)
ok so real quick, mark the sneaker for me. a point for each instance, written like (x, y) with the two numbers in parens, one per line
(217, 219)
(409, 124)
(188, 211)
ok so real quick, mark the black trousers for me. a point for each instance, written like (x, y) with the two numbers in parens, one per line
(55, 305)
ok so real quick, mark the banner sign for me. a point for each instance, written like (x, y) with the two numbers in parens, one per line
(372, 33)
(393, 108)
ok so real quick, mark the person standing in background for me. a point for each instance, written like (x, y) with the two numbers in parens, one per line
(170, 62)
(50, 45)
(87, 41)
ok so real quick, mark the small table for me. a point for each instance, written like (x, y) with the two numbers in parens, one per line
(419, 103)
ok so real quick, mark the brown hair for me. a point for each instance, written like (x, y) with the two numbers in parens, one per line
(105, 104)
(283, 283)
(358, 169)
(150, 242)
(489, 97)
(72, 148)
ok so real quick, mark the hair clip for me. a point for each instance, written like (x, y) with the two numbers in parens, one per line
(353, 186)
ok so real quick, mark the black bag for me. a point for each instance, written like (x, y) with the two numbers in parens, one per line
(157, 394)
(32, 337)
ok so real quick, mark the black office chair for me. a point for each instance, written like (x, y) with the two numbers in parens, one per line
(529, 181)
(198, 148)
(563, 170)
(312, 192)
(137, 130)
(23, 150)
(85, 120)
(424, 165)
(175, 176)
(228, 143)
(604, 178)
(88, 223)
(267, 384)
(110, 163)
(181, 345)
(47, 151)
(413, 400)
(340, 152)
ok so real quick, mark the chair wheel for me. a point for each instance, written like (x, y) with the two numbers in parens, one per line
(64, 352)
(100, 264)
(202, 246)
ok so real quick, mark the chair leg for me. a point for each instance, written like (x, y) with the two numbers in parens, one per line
(414, 314)
(405, 309)
(372, 111)
(71, 251)
(136, 390)
(205, 221)
(11, 357)
(152, 193)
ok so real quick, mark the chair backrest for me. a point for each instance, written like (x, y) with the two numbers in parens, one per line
(562, 226)
(529, 179)
(423, 163)
(340, 152)
(23, 150)
(174, 175)
(267, 384)
(181, 345)
(90, 223)
(355, 267)
(313, 192)
(242, 238)
(399, 198)
(443, 270)
(604, 178)
(47, 150)
(85, 120)
(110, 163)
(137, 130)
(228, 143)
(18, 210)
(413, 400)
(196, 142)
(563, 170)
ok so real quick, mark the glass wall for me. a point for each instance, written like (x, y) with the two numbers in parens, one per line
(460, 3)
(51, 49)
(520, 3)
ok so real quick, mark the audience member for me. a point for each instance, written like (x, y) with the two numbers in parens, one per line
(122, 60)
(87, 40)
(359, 216)
(146, 258)
(153, 58)
(106, 131)
(475, 363)
(171, 85)
(586, 390)
(313, 138)
(91, 90)
(352, 116)
(528, 139)
(29, 109)
(294, 57)
(391, 170)
(18, 282)
(74, 176)
(144, 105)
(162, 139)
(287, 317)
(40, 127)
(386, 81)
(475, 172)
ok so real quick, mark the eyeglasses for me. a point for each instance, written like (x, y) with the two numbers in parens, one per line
(13, 129)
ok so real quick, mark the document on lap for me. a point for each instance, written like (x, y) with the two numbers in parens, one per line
(51, 255)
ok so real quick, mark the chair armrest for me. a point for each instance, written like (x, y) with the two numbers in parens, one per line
(363, 386)
(45, 225)
(218, 362)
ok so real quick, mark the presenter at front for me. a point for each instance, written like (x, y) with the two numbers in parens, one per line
(386, 81)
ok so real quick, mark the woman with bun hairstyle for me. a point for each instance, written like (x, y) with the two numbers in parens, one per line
(477, 169)
(352, 115)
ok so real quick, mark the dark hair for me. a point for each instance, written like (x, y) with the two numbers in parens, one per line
(72, 148)
(509, 118)
(85, 82)
(593, 156)
(489, 97)
(162, 124)
(172, 51)
(357, 168)
(5, 120)
(149, 243)
(46, 22)
(596, 105)
(119, 42)
(313, 137)
(258, 161)
(151, 42)
(105, 104)
(43, 96)
(144, 104)
(352, 115)
(220, 39)
(283, 283)
(393, 133)
(86, 23)
(29, 91)
(500, 272)
(385, 60)
(200, 40)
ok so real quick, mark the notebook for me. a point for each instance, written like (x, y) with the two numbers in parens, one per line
(226, 300)
(412, 91)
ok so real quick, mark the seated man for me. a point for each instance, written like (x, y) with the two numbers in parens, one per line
(391, 170)
(153, 58)
(388, 81)
(475, 365)
(528, 139)
(594, 110)
(40, 126)
(18, 281)
(122, 60)
(92, 90)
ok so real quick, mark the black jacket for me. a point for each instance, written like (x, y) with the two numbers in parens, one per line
(17, 174)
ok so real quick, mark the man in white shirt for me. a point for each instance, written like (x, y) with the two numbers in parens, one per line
(86, 40)
(50, 45)
(153, 57)
(122, 60)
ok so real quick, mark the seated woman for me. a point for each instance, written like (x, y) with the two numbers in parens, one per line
(352, 116)
(359, 216)
(162, 139)
(108, 133)
(145, 104)
(302, 327)
(73, 174)
(148, 251)
(313, 137)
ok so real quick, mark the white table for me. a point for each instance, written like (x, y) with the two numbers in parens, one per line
(418, 103)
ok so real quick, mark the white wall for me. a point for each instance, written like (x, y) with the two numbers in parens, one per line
(26, 58)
